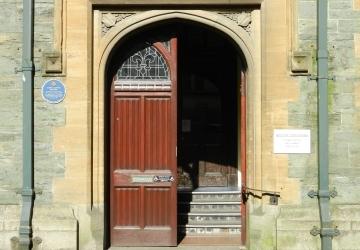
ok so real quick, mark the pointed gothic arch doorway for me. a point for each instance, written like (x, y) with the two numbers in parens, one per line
(176, 122)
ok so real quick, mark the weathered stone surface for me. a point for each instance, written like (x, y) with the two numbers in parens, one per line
(296, 172)
(346, 194)
(341, 4)
(356, 4)
(9, 16)
(5, 239)
(343, 14)
(349, 26)
(346, 212)
(355, 226)
(347, 240)
(307, 29)
(58, 240)
(263, 228)
(9, 225)
(299, 225)
(56, 226)
(296, 240)
(307, 10)
(302, 213)
(49, 115)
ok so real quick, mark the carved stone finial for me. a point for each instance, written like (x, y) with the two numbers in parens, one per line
(109, 20)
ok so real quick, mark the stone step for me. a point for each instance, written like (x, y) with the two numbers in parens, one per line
(225, 214)
(209, 217)
(191, 229)
(211, 226)
(210, 211)
(217, 190)
(211, 203)
(207, 241)
(211, 194)
(216, 207)
(209, 220)
(209, 197)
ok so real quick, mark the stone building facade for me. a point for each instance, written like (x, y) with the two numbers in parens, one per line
(75, 41)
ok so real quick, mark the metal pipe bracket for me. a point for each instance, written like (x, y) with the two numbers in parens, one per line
(315, 78)
(323, 193)
(325, 232)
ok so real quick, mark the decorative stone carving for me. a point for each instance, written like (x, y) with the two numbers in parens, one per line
(109, 20)
(242, 19)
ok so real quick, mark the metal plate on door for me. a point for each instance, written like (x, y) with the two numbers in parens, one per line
(151, 178)
(142, 178)
(163, 178)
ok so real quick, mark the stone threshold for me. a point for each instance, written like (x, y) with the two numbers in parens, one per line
(182, 247)
(211, 190)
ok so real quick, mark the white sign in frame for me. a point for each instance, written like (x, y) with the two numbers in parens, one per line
(292, 141)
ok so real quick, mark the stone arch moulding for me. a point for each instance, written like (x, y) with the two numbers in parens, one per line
(217, 21)
(249, 45)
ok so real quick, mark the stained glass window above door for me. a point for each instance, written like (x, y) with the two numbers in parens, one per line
(146, 69)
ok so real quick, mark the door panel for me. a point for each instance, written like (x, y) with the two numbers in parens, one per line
(158, 132)
(143, 197)
(156, 211)
(131, 209)
(127, 132)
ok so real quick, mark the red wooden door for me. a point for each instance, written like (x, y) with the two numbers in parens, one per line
(143, 147)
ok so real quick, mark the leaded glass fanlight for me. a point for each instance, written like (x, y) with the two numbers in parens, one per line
(146, 69)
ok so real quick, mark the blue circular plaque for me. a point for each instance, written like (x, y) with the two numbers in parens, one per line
(53, 91)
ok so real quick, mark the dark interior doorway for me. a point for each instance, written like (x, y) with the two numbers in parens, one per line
(208, 101)
(207, 108)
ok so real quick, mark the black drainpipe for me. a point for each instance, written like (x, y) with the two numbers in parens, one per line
(28, 195)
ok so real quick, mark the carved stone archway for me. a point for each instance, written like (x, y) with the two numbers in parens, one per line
(243, 27)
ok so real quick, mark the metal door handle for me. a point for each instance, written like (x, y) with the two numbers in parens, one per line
(163, 178)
